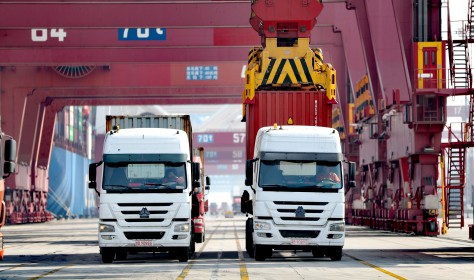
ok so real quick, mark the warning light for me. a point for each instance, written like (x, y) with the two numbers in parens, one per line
(290, 121)
(275, 126)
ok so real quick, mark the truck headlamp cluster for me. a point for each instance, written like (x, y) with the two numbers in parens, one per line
(337, 227)
(106, 228)
(261, 226)
(181, 228)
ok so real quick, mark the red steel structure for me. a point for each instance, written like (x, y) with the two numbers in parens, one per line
(400, 99)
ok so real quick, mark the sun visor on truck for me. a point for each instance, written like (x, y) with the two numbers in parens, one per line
(145, 158)
(301, 156)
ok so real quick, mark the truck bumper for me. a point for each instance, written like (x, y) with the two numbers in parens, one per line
(298, 238)
(144, 239)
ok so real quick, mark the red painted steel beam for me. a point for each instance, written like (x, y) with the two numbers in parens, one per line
(386, 55)
(119, 13)
(195, 31)
(285, 18)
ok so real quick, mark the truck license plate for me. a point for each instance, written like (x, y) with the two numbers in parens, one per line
(143, 243)
(299, 242)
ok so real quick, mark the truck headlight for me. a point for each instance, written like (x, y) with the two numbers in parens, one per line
(106, 228)
(337, 227)
(261, 226)
(181, 228)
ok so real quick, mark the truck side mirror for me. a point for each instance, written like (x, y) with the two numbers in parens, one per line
(92, 172)
(9, 168)
(249, 172)
(208, 181)
(93, 185)
(246, 203)
(10, 156)
(93, 175)
(352, 174)
(10, 150)
(196, 171)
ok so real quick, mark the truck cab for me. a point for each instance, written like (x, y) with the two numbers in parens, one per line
(145, 195)
(297, 186)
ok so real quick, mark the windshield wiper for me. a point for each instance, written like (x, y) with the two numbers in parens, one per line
(157, 185)
(117, 187)
(273, 185)
(329, 186)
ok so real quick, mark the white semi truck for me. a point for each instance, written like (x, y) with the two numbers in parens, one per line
(146, 194)
(297, 192)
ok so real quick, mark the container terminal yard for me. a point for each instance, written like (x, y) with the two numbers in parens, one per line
(275, 94)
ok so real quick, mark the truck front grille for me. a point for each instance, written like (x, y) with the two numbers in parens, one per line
(144, 220)
(299, 233)
(306, 219)
(313, 203)
(137, 212)
(144, 235)
(144, 204)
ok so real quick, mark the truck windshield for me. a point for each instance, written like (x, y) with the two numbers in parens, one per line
(307, 175)
(144, 177)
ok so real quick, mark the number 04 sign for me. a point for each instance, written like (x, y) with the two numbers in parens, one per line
(45, 34)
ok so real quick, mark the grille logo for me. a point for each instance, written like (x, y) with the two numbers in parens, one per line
(300, 212)
(144, 213)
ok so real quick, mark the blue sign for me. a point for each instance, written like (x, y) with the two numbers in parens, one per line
(142, 34)
(205, 138)
(201, 73)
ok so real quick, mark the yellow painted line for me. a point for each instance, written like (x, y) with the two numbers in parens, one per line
(188, 267)
(243, 269)
(377, 268)
(50, 272)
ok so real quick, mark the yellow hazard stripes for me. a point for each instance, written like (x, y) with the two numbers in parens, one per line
(287, 72)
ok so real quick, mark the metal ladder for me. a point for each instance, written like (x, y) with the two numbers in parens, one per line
(455, 180)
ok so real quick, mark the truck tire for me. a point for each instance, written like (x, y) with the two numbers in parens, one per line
(317, 253)
(183, 255)
(121, 255)
(260, 253)
(108, 255)
(334, 253)
(249, 237)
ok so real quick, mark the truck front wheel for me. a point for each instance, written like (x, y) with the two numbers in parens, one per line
(249, 237)
(183, 255)
(262, 252)
(334, 253)
(108, 255)
(121, 255)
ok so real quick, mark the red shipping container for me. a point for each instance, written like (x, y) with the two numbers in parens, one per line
(282, 107)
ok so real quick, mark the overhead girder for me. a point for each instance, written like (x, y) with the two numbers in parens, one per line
(200, 31)
(386, 58)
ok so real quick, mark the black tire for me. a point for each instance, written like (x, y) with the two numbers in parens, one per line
(260, 253)
(108, 255)
(121, 255)
(334, 253)
(317, 253)
(183, 255)
(249, 238)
